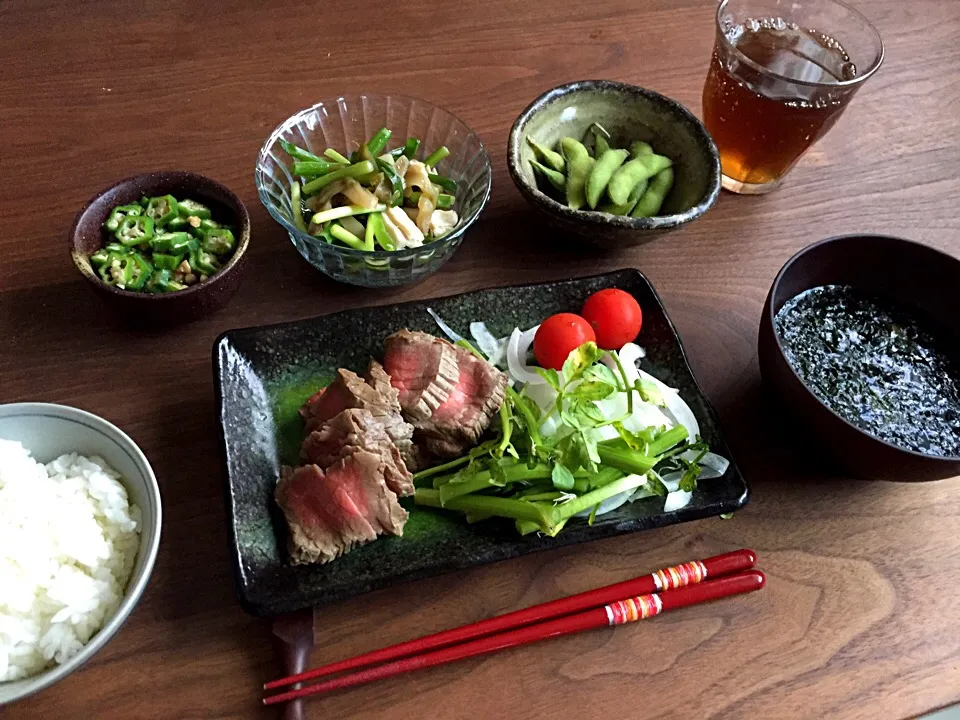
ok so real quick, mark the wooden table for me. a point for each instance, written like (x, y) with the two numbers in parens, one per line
(860, 615)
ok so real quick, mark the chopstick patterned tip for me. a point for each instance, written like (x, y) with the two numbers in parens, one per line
(680, 575)
(633, 609)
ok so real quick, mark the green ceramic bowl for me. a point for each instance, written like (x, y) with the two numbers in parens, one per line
(628, 113)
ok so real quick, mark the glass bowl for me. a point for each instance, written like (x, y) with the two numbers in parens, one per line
(345, 122)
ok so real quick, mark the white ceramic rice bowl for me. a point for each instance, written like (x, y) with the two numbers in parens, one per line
(48, 431)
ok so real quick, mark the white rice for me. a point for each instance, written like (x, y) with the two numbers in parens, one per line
(68, 541)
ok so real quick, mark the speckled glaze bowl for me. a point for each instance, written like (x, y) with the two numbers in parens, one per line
(145, 309)
(629, 113)
(911, 275)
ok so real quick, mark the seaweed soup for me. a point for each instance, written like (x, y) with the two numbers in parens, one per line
(877, 365)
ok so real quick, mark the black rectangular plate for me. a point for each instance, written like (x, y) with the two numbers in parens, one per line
(263, 375)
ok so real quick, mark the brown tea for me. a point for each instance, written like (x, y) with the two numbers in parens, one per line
(762, 122)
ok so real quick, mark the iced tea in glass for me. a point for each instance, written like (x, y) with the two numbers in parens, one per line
(782, 73)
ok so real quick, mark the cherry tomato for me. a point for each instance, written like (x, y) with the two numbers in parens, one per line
(615, 317)
(558, 336)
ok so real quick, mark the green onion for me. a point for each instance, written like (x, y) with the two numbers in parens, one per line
(346, 237)
(335, 156)
(369, 236)
(436, 156)
(356, 170)
(380, 232)
(342, 212)
(396, 182)
(312, 168)
(295, 205)
(446, 183)
(411, 147)
(297, 153)
(379, 141)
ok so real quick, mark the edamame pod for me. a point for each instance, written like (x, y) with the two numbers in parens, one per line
(636, 149)
(601, 139)
(600, 145)
(548, 157)
(603, 170)
(579, 164)
(631, 202)
(553, 177)
(652, 200)
(642, 167)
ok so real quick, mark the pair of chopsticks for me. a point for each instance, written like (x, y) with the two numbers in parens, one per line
(668, 589)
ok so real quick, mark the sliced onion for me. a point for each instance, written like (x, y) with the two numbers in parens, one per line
(671, 481)
(608, 505)
(644, 491)
(677, 500)
(488, 344)
(517, 348)
(713, 466)
(543, 395)
(606, 432)
(611, 503)
(646, 415)
(629, 368)
(676, 407)
(550, 425)
(447, 330)
(630, 354)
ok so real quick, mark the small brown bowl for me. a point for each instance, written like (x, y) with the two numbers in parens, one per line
(909, 274)
(144, 309)
(629, 113)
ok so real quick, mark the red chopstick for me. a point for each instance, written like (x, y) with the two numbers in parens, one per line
(617, 613)
(666, 579)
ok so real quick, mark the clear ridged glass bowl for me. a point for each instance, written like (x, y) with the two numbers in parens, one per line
(343, 123)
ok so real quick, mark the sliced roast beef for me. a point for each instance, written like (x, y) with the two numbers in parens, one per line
(349, 390)
(399, 430)
(353, 430)
(449, 394)
(329, 513)
(423, 369)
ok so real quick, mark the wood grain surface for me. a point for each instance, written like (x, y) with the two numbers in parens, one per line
(860, 615)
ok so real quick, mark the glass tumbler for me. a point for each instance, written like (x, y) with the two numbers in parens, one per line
(782, 73)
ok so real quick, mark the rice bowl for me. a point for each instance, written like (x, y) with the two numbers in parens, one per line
(68, 541)
(106, 565)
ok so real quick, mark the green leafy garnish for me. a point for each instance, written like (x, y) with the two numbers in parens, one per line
(592, 390)
(579, 360)
(541, 482)
(650, 392)
(562, 478)
(551, 376)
